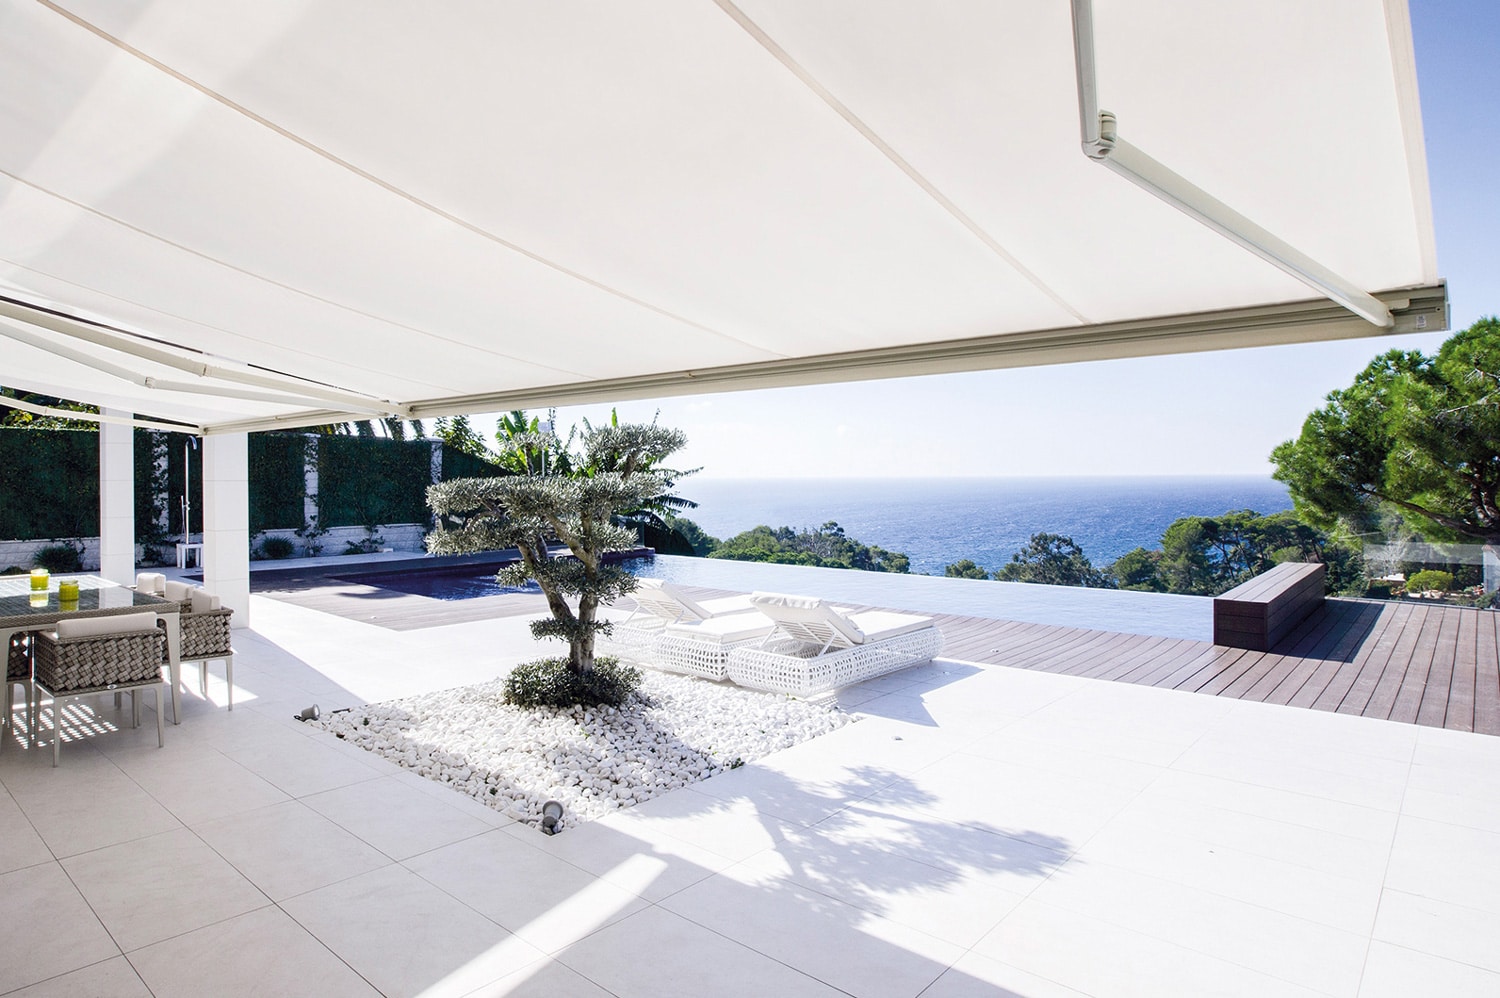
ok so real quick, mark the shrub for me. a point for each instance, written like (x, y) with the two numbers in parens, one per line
(276, 548)
(59, 558)
(548, 682)
(13, 570)
(1430, 581)
(1378, 589)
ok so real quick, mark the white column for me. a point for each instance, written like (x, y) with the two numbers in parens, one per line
(226, 521)
(117, 501)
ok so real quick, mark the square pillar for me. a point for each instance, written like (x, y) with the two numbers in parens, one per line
(226, 521)
(117, 501)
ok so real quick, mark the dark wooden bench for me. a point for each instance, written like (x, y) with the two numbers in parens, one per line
(1264, 610)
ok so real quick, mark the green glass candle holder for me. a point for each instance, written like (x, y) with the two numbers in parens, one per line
(40, 579)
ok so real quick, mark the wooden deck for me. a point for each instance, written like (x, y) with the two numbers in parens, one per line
(1420, 664)
(1402, 661)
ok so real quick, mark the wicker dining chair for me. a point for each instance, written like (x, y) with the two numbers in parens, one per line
(205, 637)
(18, 673)
(100, 655)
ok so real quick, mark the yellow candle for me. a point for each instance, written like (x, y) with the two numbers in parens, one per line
(67, 592)
(39, 579)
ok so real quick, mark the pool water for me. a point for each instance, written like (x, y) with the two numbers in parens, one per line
(1156, 614)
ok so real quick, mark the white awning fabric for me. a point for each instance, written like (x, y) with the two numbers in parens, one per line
(258, 213)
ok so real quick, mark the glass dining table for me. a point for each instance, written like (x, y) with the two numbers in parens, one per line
(22, 609)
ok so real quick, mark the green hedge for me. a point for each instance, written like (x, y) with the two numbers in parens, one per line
(363, 481)
(276, 480)
(50, 485)
(457, 464)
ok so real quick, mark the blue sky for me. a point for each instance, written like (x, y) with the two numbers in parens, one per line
(1200, 414)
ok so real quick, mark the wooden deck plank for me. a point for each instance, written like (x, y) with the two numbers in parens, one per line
(1332, 693)
(1367, 680)
(1383, 697)
(1460, 713)
(1487, 675)
(1321, 666)
(1432, 706)
(1409, 697)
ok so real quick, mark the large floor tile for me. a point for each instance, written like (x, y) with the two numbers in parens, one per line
(1439, 928)
(656, 954)
(90, 807)
(1292, 888)
(851, 949)
(975, 976)
(395, 818)
(649, 869)
(303, 766)
(199, 784)
(544, 900)
(733, 829)
(263, 952)
(114, 978)
(956, 907)
(1278, 945)
(50, 930)
(20, 845)
(1436, 860)
(407, 937)
(156, 888)
(543, 979)
(1397, 972)
(288, 849)
(1105, 960)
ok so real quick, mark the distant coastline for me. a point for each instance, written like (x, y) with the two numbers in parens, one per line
(938, 521)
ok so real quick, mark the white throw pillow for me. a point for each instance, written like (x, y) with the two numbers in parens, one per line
(150, 582)
(203, 601)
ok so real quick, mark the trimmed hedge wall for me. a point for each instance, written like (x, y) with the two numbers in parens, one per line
(364, 481)
(457, 464)
(276, 480)
(50, 483)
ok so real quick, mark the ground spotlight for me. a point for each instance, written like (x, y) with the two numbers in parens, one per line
(552, 813)
(308, 714)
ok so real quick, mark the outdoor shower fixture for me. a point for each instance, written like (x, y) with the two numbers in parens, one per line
(187, 495)
(308, 714)
(552, 813)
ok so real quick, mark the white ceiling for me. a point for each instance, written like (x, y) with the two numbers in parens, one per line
(481, 204)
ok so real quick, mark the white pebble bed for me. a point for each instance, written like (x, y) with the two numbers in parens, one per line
(592, 759)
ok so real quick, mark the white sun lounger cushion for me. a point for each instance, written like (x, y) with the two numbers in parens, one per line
(88, 627)
(727, 630)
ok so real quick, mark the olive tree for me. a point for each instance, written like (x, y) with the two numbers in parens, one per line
(575, 502)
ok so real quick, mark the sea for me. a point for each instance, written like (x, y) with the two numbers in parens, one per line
(937, 521)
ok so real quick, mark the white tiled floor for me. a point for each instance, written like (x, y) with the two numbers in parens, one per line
(982, 831)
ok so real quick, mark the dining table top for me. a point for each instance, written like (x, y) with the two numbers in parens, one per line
(21, 608)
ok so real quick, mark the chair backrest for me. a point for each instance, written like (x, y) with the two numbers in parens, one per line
(807, 618)
(177, 591)
(89, 627)
(662, 599)
(151, 582)
(203, 601)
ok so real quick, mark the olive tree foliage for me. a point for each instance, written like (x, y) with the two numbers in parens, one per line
(1419, 434)
(574, 502)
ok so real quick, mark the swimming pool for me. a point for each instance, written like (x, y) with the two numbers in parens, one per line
(1105, 609)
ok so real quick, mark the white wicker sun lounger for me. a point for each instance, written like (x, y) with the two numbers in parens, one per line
(659, 605)
(702, 649)
(816, 647)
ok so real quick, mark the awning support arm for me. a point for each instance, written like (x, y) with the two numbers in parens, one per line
(299, 388)
(97, 417)
(1102, 143)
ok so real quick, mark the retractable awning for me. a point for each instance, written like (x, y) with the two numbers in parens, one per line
(245, 215)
